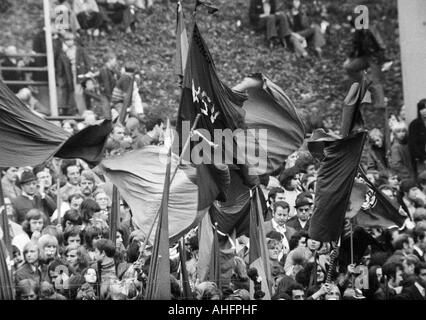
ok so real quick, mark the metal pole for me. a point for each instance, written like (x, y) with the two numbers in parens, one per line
(50, 60)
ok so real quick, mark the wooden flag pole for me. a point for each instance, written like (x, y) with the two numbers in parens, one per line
(58, 200)
(188, 140)
(184, 272)
(114, 214)
(4, 224)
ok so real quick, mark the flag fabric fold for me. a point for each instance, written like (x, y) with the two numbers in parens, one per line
(25, 138)
(334, 185)
(378, 210)
(203, 93)
(28, 140)
(268, 107)
(158, 284)
(87, 144)
(139, 179)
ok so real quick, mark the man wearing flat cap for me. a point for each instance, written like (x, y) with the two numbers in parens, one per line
(30, 199)
(303, 206)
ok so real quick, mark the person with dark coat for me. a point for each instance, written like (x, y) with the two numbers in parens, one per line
(12, 75)
(108, 76)
(417, 137)
(416, 291)
(30, 199)
(301, 220)
(377, 154)
(368, 52)
(263, 15)
(304, 30)
(400, 160)
(72, 62)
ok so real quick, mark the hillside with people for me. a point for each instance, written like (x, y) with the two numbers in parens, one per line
(317, 87)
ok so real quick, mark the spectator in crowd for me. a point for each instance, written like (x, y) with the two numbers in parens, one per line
(70, 126)
(408, 196)
(303, 31)
(304, 211)
(416, 291)
(9, 183)
(27, 289)
(71, 170)
(279, 219)
(154, 133)
(291, 185)
(44, 180)
(27, 98)
(73, 235)
(108, 75)
(31, 269)
(31, 199)
(274, 195)
(88, 16)
(10, 60)
(77, 258)
(64, 17)
(71, 63)
(377, 154)
(87, 183)
(104, 203)
(417, 138)
(368, 52)
(400, 157)
(264, 15)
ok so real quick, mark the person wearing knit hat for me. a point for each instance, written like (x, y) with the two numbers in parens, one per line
(400, 159)
(30, 199)
(417, 137)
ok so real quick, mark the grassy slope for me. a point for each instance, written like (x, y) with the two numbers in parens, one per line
(237, 51)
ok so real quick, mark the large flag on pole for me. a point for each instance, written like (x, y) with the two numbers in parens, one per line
(258, 256)
(27, 140)
(158, 284)
(269, 108)
(334, 185)
(378, 210)
(181, 42)
(203, 93)
(139, 179)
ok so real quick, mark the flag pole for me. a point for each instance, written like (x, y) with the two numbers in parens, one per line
(114, 214)
(188, 140)
(4, 223)
(58, 199)
(184, 272)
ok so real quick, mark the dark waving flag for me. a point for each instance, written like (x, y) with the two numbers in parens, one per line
(317, 142)
(268, 107)
(26, 139)
(378, 210)
(351, 115)
(87, 144)
(204, 93)
(334, 185)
